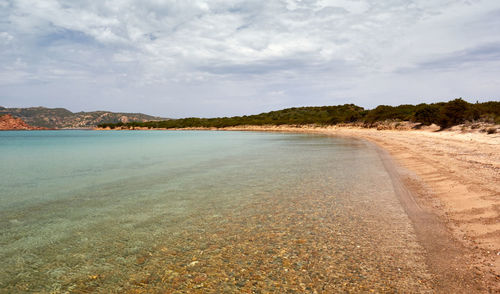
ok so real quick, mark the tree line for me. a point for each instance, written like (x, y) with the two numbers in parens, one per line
(443, 114)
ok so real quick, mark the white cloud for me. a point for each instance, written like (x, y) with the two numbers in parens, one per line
(180, 53)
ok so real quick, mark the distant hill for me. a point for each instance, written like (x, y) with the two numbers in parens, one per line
(8, 122)
(58, 118)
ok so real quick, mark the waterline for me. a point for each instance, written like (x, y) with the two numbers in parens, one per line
(213, 211)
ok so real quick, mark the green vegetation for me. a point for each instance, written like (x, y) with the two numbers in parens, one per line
(444, 114)
(427, 114)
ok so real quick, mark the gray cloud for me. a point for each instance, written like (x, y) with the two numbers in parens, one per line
(170, 57)
(482, 56)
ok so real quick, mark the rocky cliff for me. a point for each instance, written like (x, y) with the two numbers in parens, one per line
(58, 118)
(8, 122)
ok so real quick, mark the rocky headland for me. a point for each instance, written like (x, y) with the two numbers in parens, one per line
(8, 122)
(61, 118)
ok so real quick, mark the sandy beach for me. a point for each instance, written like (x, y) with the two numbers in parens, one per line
(454, 176)
(449, 184)
(412, 211)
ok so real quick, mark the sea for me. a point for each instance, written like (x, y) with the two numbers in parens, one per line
(201, 212)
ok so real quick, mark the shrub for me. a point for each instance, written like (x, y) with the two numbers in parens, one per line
(427, 114)
(444, 114)
(453, 113)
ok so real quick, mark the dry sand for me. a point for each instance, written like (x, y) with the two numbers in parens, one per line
(455, 178)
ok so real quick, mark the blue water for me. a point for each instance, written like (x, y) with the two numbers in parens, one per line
(82, 211)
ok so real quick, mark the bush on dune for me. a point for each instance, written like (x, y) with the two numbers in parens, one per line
(453, 113)
(426, 114)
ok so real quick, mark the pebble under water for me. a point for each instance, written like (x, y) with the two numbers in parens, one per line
(201, 212)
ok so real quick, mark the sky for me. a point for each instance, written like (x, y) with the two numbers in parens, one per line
(232, 57)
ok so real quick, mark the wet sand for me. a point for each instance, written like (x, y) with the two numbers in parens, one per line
(453, 179)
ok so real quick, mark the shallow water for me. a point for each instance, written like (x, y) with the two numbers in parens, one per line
(208, 212)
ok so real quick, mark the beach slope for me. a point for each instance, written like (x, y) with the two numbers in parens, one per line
(452, 174)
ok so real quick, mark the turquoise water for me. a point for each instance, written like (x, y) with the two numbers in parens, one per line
(154, 211)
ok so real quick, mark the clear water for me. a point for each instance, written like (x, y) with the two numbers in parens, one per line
(208, 212)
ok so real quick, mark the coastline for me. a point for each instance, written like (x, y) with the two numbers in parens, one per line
(453, 176)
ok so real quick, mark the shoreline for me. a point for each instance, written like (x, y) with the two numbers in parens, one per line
(453, 178)
(444, 256)
(448, 183)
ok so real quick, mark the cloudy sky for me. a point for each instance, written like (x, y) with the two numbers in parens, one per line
(229, 57)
